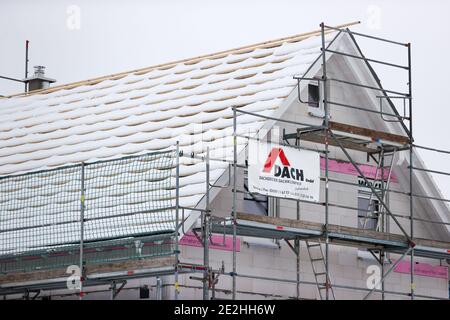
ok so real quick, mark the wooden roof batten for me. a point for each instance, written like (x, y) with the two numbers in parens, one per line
(115, 76)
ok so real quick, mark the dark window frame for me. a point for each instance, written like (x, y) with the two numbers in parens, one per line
(371, 222)
(255, 200)
(313, 95)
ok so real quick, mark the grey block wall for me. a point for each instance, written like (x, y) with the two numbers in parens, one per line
(265, 258)
(346, 267)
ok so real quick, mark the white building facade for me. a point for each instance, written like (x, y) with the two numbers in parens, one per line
(191, 102)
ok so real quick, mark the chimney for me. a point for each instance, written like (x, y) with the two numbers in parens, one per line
(38, 80)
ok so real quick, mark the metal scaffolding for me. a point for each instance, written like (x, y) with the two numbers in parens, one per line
(112, 220)
(149, 260)
(330, 134)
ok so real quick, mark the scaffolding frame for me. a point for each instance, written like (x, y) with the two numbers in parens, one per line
(48, 276)
(273, 229)
(289, 230)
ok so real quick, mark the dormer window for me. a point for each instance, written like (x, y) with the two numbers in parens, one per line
(313, 95)
(315, 103)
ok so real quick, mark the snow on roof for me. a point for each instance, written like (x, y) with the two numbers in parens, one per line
(147, 111)
(143, 111)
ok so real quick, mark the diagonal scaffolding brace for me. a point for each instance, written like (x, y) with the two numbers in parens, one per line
(387, 273)
(388, 211)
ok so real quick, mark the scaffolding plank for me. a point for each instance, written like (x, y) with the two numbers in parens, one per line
(343, 235)
(319, 137)
(373, 134)
(317, 226)
(129, 265)
(353, 137)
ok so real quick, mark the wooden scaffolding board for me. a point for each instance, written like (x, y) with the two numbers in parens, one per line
(355, 138)
(343, 235)
(128, 266)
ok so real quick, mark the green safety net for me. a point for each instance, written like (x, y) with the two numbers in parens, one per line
(121, 209)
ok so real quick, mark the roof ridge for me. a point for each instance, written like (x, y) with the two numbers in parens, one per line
(196, 59)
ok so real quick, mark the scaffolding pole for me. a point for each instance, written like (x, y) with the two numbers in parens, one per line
(177, 227)
(205, 232)
(234, 209)
(297, 241)
(82, 208)
(326, 125)
(411, 199)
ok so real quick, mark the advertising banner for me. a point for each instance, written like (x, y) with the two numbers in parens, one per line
(284, 172)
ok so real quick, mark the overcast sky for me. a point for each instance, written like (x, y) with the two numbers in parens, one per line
(77, 40)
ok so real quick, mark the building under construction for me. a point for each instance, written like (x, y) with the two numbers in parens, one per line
(140, 184)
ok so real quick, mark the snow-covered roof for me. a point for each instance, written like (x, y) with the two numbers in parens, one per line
(151, 109)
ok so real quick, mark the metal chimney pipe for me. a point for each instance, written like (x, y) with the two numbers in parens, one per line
(38, 81)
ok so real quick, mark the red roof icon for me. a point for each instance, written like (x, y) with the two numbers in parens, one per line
(272, 157)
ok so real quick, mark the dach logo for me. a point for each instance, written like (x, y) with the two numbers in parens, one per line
(283, 172)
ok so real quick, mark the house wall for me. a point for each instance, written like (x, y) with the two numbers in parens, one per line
(263, 258)
(267, 258)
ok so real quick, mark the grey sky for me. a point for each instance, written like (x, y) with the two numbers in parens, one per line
(116, 36)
